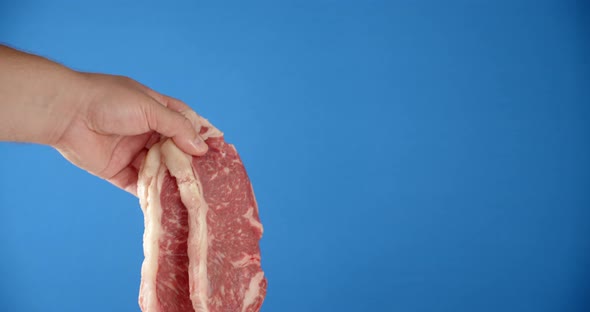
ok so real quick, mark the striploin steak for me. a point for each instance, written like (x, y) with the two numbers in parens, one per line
(202, 230)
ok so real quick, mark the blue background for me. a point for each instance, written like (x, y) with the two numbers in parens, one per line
(406, 156)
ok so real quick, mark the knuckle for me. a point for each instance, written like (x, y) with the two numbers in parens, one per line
(187, 125)
(126, 80)
(151, 117)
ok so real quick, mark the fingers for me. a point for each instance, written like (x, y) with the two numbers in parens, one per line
(126, 179)
(154, 138)
(165, 100)
(170, 102)
(177, 126)
(177, 120)
(181, 107)
(176, 104)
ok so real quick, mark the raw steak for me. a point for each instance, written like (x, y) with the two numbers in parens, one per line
(201, 230)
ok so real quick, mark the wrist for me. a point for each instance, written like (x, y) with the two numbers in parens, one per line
(65, 106)
(38, 98)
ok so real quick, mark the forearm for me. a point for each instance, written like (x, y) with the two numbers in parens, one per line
(34, 97)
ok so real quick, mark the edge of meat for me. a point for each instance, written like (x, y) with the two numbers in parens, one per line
(179, 165)
(149, 186)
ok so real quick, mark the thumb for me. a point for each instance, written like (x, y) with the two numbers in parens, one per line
(175, 125)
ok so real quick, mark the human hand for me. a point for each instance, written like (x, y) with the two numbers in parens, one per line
(101, 123)
(113, 120)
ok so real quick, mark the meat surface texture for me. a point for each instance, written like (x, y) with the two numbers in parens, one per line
(202, 230)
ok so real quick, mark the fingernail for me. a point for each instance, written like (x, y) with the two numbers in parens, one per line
(199, 144)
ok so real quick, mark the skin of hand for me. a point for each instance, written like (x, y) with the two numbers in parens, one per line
(101, 123)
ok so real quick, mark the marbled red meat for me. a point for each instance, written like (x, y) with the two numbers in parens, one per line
(172, 286)
(202, 230)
